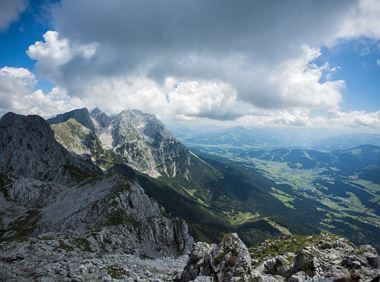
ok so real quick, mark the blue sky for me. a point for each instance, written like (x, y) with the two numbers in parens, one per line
(357, 62)
(299, 63)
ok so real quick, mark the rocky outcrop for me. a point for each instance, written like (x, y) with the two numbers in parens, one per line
(28, 149)
(322, 258)
(48, 258)
(119, 213)
(78, 139)
(46, 189)
(131, 137)
(80, 115)
(228, 261)
(80, 257)
(101, 119)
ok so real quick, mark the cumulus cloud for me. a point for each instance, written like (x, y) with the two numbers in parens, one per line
(54, 52)
(358, 119)
(255, 60)
(362, 21)
(295, 82)
(211, 99)
(174, 98)
(334, 119)
(10, 11)
(50, 54)
(298, 83)
(18, 94)
(263, 61)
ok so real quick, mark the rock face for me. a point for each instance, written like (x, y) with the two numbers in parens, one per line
(28, 149)
(58, 259)
(146, 145)
(228, 261)
(120, 216)
(324, 258)
(46, 189)
(78, 139)
(131, 137)
(80, 115)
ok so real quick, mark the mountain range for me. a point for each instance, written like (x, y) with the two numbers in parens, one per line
(223, 190)
(85, 181)
(256, 138)
(47, 189)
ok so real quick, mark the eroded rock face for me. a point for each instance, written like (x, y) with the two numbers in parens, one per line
(28, 149)
(60, 258)
(127, 218)
(329, 259)
(46, 189)
(199, 262)
(228, 261)
(324, 258)
(134, 138)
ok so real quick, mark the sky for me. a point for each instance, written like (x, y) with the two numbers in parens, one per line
(298, 63)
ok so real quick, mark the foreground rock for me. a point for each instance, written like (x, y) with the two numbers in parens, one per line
(43, 259)
(319, 258)
(63, 257)
(228, 261)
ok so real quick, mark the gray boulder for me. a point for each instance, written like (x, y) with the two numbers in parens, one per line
(228, 261)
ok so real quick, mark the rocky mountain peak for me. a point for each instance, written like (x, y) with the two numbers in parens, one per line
(100, 118)
(137, 139)
(148, 125)
(80, 115)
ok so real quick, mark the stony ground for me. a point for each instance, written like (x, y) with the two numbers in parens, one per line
(326, 258)
(47, 260)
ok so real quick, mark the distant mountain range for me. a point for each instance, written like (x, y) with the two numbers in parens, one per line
(272, 138)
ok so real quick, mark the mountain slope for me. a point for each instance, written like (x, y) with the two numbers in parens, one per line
(80, 115)
(28, 148)
(212, 198)
(46, 189)
(134, 138)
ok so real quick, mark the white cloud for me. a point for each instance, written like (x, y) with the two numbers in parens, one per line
(10, 11)
(178, 99)
(362, 21)
(334, 119)
(195, 98)
(54, 52)
(234, 61)
(50, 54)
(295, 82)
(299, 83)
(18, 94)
(276, 118)
(355, 119)
(262, 61)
